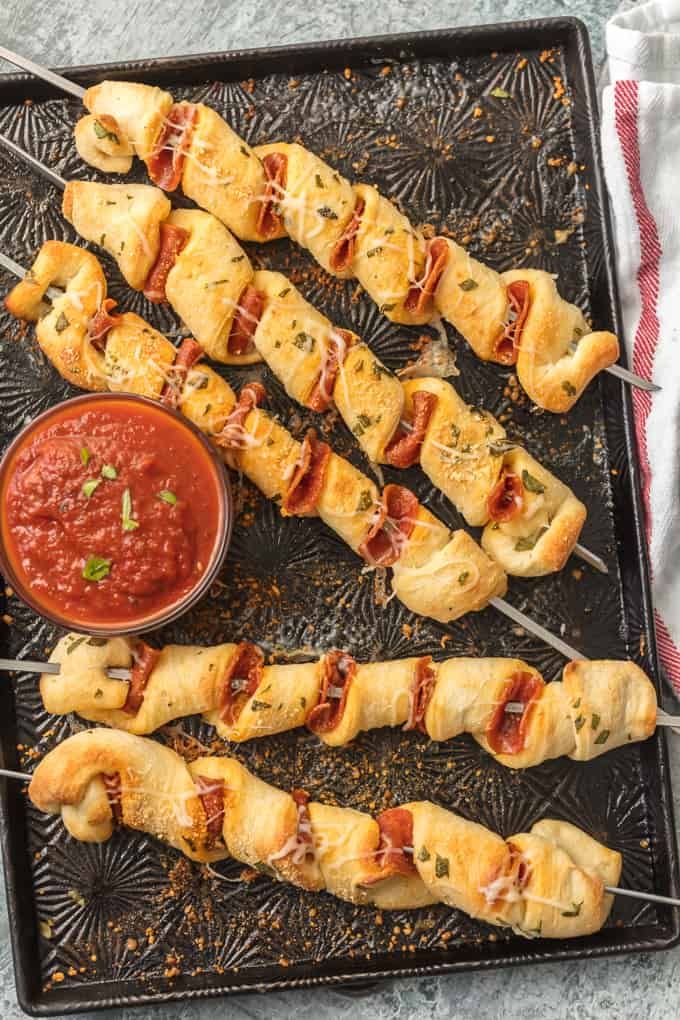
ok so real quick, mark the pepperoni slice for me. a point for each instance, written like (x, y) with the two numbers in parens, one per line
(403, 449)
(269, 221)
(339, 669)
(507, 345)
(421, 692)
(342, 255)
(506, 499)
(166, 162)
(396, 834)
(307, 481)
(211, 796)
(188, 353)
(231, 436)
(101, 322)
(420, 295)
(172, 240)
(114, 793)
(506, 731)
(334, 356)
(390, 532)
(246, 319)
(240, 681)
(145, 660)
(304, 829)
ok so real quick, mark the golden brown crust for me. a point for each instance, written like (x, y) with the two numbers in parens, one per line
(551, 374)
(124, 219)
(600, 704)
(206, 282)
(549, 881)
(62, 324)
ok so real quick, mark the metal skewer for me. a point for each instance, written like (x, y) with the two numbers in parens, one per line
(30, 666)
(121, 673)
(42, 72)
(76, 90)
(614, 890)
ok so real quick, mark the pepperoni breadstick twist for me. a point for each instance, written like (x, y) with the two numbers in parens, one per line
(437, 573)
(548, 882)
(532, 521)
(598, 705)
(261, 193)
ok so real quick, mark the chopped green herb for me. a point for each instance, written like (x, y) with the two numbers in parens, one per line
(575, 910)
(257, 706)
(423, 854)
(264, 869)
(388, 230)
(102, 132)
(127, 520)
(327, 213)
(359, 367)
(468, 284)
(282, 293)
(569, 388)
(90, 485)
(374, 251)
(74, 644)
(499, 447)
(441, 866)
(455, 435)
(244, 152)
(97, 642)
(305, 342)
(462, 578)
(109, 471)
(528, 541)
(387, 308)
(365, 500)
(318, 181)
(214, 283)
(363, 422)
(238, 258)
(602, 738)
(84, 455)
(595, 721)
(379, 369)
(499, 93)
(96, 568)
(576, 703)
(98, 693)
(579, 722)
(531, 483)
(168, 497)
(62, 323)
(303, 702)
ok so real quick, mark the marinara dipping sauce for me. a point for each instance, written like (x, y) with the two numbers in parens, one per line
(115, 514)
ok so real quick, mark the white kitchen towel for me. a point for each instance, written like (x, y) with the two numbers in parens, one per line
(641, 153)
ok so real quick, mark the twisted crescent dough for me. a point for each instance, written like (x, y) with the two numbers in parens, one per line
(384, 528)
(352, 230)
(463, 450)
(549, 881)
(599, 705)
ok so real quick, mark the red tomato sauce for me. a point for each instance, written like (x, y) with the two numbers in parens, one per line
(110, 512)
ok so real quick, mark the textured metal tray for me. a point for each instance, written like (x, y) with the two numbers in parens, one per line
(129, 922)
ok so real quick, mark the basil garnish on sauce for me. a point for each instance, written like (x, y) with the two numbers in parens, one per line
(90, 485)
(167, 496)
(532, 484)
(109, 471)
(127, 520)
(96, 568)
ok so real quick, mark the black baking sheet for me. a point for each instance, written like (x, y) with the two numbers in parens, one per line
(130, 921)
